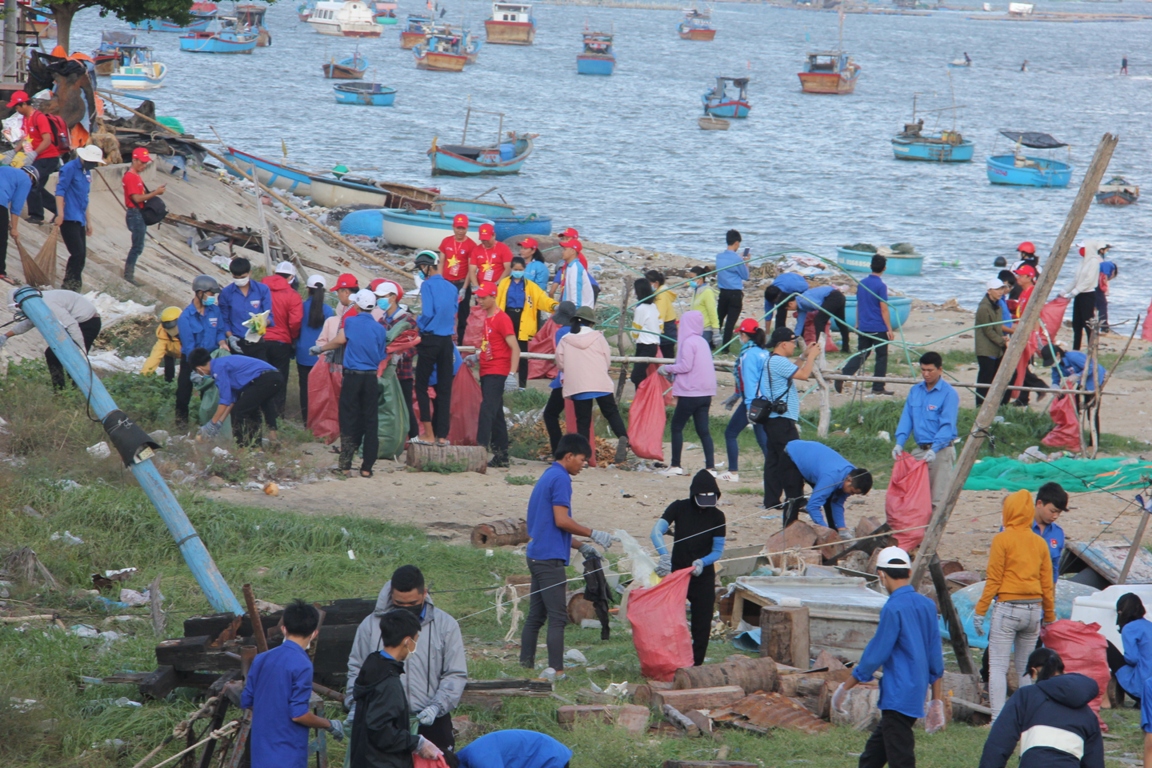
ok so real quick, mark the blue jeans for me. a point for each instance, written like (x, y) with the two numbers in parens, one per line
(732, 432)
(135, 221)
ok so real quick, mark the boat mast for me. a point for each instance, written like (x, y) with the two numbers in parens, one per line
(840, 43)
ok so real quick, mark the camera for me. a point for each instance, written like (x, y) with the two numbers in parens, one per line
(778, 406)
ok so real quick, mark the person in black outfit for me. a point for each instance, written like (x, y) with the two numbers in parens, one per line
(698, 531)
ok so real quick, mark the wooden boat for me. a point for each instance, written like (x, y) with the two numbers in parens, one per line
(109, 54)
(442, 53)
(415, 31)
(719, 103)
(473, 205)
(505, 156)
(1118, 192)
(344, 19)
(597, 57)
(961, 63)
(271, 174)
(941, 146)
(331, 192)
(830, 72)
(713, 123)
(251, 17)
(218, 40)
(304, 10)
(697, 25)
(423, 229)
(367, 94)
(901, 264)
(511, 24)
(1020, 170)
(351, 68)
(202, 15)
(137, 71)
(384, 12)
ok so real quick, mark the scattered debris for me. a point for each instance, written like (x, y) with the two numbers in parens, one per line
(760, 712)
(24, 567)
(67, 538)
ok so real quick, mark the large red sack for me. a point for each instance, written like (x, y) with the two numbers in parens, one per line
(474, 328)
(465, 409)
(810, 332)
(660, 626)
(908, 503)
(423, 762)
(1084, 650)
(570, 428)
(1066, 433)
(1146, 330)
(544, 342)
(646, 419)
(324, 383)
(1051, 316)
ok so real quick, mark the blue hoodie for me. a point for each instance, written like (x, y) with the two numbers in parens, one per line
(1052, 722)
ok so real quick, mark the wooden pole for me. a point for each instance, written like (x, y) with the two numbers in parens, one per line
(951, 618)
(620, 341)
(1016, 346)
(1132, 550)
(254, 617)
(825, 420)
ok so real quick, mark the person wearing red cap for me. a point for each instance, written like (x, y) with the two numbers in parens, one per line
(499, 355)
(749, 369)
(575, 282)
(135, 195)
(455, 264)
(537, 268)
(490, 260)
(42, 153)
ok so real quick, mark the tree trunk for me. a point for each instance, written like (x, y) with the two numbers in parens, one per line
(63, 14)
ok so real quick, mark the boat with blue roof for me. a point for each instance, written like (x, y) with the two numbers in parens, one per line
(720, 102)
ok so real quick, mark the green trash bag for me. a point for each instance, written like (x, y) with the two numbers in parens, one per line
(210, 398)
(393, 415)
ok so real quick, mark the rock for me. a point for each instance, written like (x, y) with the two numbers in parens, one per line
(829, 539)
(100, 450)
(855, 561)
(160, 437)
(866, 526)
(798, 534)
(216, 481)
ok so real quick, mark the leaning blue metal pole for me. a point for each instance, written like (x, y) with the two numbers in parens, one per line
(207, 575)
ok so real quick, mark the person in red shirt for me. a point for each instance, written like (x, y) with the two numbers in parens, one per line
(134, 198)
(491, 259)
(287, 317)
(455, 260)
(499, 355)
(42, 152)
(1026, 278)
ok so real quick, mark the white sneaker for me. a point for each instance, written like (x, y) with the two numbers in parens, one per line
(731, 477)
(672, 472)
(713, 473)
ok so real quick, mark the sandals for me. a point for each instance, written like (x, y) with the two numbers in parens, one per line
(341, 472)
(420, 441)
(366, 474)
(8, 280)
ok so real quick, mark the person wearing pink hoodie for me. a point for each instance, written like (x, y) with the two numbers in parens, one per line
(693, 384)
(583, 357)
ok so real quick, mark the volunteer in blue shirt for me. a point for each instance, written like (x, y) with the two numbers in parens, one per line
(1051, 502)
(1070, 369)
(907, 645)
(15, 184)
(512, 749)
(565, 311)
(832, 477)
(437, 323)
(550, 545)
(201, 326)
(777, 384)
(240, 300)
(749, 368)
(731, 272)
(929, 416)
(1133, 665)
(315, 313)
(248, 387)
(72, 187)
(826, 302)
(873, 326)
(780, 296)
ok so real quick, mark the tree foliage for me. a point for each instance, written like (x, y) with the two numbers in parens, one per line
(128, 10)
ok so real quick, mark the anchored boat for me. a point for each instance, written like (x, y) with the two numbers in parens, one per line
(415, 31)
(217, 39)
(446, 51)
(913, 143)
(505, 156)
(384, 13)
(348, 19)
(351, 68)
(136, 70)
(830, 72)
(109, 54)
(483, 208)
(597, 57)
(423, 229)
(697, 25)
(368, 94)
(202, 15)
(713, 123)
(271, 174)
(1118, 192)
(1020, 170)
(511, 24)
(718, 102)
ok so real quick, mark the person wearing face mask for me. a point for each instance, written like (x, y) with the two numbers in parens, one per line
(523, 301)
(167, 346)
(288, 314)
(437, 323)
(200, 325)
(238, 302)
(314, 312)
(990, 340)
(72, 188)
(704, 298)
(434, 675)
(396, 319)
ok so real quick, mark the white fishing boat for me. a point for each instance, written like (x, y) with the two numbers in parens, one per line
(348, 19)
(136, 71)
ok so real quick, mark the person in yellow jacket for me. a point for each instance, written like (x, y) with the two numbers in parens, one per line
(704, 300)
(665, 301)
(1020, 579)
(523, 301)
(167, 346)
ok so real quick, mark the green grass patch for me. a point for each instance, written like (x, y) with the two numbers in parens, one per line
(520, 479)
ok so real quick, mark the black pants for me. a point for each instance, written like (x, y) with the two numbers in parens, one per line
(640, 370)
(891, 743)
(668, 340)
(985, 373)
(4, 244)
(435, 352)
(780, 431)
(256, 349)
(702, 601)
(76, 241)
(169, 368)
(359, 418)
(548, 604)
(1102, 310)
(440, 732)
(413, 425)
(728, 309)
(515, 314)
(183, 392)
(279, 355)
(259, 397)
(1088, 401)
(302, 372)
(864, 347)
(462, 310)
(39, 198)
(552, 411)
(89, 330)
(695, 408)
(1030, 380)
(608, 409)
(1083, 310)
(1116, 662)
(834, 304)
(492, 430)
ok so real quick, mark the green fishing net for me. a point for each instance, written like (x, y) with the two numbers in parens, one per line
(1075, 475)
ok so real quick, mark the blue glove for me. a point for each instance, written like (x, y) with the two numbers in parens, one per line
(697, 567)
(336, 728)
(428, 715)
(210, 430)
(664, 566)
(603, 538)
(234, 342)
(587, 550)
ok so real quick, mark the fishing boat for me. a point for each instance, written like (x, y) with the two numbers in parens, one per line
(718, 102)
(484, 208)
(271, 174)
(109, 55)
(415, 31)
(350, 190)
(529, 224)
(347, 19)
(697, 25)
(218, 39)
(511, 24)
(713, 123)
(597, 57)
(1118, 192)
(304, 10)
(899, 309)
(899, 264)
(961, 63)
(384, 12)
(830, 72)
(443, 52)
(1020, 170)
(202, 15)
(137, 71)
(422, 229)
(367, 94)
(472, 46)
(351, 68)
(251, 17)
(505, 156)
(913, 143)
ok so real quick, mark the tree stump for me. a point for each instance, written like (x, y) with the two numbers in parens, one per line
(447, 458)
(580, 608)
(784, 635)
(502, 533)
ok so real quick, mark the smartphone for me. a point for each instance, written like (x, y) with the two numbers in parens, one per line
(746, 252)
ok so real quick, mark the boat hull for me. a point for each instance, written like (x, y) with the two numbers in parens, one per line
(383, 98)
(468, 205)
(139, 77)
(899, 308)
(511, 226)
(595, 64)
(833, 83)
(1118, 194)
(448, 163)
(422, 229)
(713, 123)
(387, 21)
(163, 25)
(217, 45)
(330, 193)
(271, 174)
(727, 108)
(510, 32)
(347, 29)
(441, 62)
(937, 152)
(861, 261)
(409, 40)
(702, 35)
(342, 72)
(1047, 173)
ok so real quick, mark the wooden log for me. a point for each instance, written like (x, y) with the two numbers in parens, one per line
(698, 698)
(455, 458)
(701, 720)
(799, 683)
(253, 614)
(951, 618)
(860, 705)
(784, 634)
(676, 717)
(502, 533)
(961, 689)
(628, 716)
(158, 684)
(751, 675)
(642, 695)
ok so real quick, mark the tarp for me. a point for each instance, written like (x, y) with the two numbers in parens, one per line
(1076, 475)
(1034, 139)
(1051, 316)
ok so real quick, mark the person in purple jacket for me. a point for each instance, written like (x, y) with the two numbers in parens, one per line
(693, 384)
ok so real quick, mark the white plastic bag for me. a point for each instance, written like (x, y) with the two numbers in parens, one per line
(14, 128)
(643, 566)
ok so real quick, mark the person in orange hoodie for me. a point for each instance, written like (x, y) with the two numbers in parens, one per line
(284, 331)
(1020, 580)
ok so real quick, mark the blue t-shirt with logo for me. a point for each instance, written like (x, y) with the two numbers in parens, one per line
(869, 297)
(553, 489)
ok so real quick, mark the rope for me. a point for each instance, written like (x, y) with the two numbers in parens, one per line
(227, 730)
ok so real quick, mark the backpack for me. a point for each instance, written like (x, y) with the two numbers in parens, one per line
(60, 135)
(153, 210)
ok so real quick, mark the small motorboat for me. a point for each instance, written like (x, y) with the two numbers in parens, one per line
(384, 12)
(344, 19)
(251, 17)
(511, 24)
(349, 190)
(597, 57)
(718, 102)
(415, 31)
(218, 39)
(913, 143)
(351, 68)
(446, 51)
(1118, 192)
(271, 174)
(1020, 170)
(305, 10)
(423, 229)
(366, 94)
(202, 16)
(713, 123)
(958, 63)
(137, 71)
(697, 25)
(830, 72)
(505, 156)
(108, 56)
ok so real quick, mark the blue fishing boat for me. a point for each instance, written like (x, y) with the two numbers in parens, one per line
(899, 308)
(136, 70)
(531, 224)
(422, 229)
(202, 15)
(913, 143)
(365, 94)
(899, 264)
(597, 57)
(1020, 170)
(505, 156)
(270, 174)
(351, 68)
(219, 39)
(470, 205)
(718, 102)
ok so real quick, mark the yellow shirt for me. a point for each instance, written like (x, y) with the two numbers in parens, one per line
(665, 301)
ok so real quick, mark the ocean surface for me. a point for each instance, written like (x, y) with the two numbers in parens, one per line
(622, 159)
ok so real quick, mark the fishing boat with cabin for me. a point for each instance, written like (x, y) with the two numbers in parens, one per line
(443, 52)
(511, 24)
(218, 39)
(136, 70)
(1020, 170)
(949, 146)
(351, 68)
(597, 57)
(415, 31)
(251, 16)
(830, 72)
(1118, 192)
(202, 15)
(108, 55)
(270, 174)
(718, 102)
(505, 156)
(365, 94)
(697, 25)
(384, 13)
(348, 19)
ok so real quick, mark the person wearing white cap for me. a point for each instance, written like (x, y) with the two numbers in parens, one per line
(396, 319)
(72, 188)
(990, 339)
(284, 330)
(907, 645)
(315, 312)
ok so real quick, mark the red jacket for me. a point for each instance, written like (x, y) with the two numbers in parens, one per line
(287, 311)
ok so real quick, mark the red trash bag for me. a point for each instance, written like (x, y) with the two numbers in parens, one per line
(465, 409)
(324, 383)
(1146, 330)
(570, 427)
(1084, 650)
(1066, 433)
(908, 503)
(544, 343)
(423, 762)
(646, 419)
(810, 332)
(474, 328)
(660, 626)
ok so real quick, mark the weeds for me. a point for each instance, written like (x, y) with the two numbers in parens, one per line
(520, 479)
(442, 467)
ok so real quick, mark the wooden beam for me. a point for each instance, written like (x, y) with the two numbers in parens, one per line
(1012, 355)
(951, 618)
